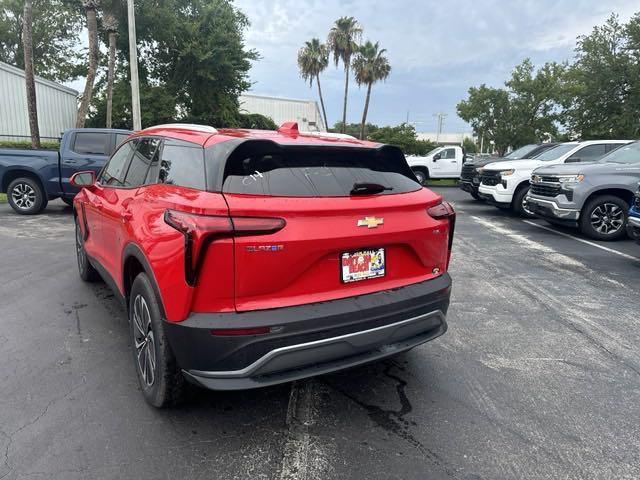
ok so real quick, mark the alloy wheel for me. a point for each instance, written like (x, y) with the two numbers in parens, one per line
(24, 196)
(144, 340)
(607, 218)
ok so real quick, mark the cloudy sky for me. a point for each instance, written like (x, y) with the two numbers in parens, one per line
(437, 49)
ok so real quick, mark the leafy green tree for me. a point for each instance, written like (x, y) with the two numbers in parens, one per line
(370, 65)
(602, 86)
(403, 136)
(343, 43)
(353, 129)
(56, 37)
(469, 145)
(313, 59)
(90, 8)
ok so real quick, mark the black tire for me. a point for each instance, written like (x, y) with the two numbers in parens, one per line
(26, 196)
(476, 196)
(159, 375)
(604, 218)
(422, 175)
(518, 203)
(68, 201)
(85, 269)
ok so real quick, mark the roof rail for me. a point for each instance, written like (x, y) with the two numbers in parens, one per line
(331, 135)
(188, 126)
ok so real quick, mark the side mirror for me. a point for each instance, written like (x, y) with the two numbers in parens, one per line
(573, 160)
(437, 157)
(83, 179)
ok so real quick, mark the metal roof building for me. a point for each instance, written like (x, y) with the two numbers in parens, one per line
(280, 110)
(57, 106)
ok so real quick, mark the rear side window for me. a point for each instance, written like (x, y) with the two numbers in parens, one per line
(590, 153)
(91, 143)
(144, 155)
(315, 172)
(180, 164)
(114, 171)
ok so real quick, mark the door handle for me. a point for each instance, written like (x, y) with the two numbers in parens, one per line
(71, 162)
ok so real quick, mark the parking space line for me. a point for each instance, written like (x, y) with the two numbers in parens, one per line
(582, 240)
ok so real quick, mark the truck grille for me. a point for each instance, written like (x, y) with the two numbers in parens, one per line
(545, 190)
(490, 179)
(467, 173)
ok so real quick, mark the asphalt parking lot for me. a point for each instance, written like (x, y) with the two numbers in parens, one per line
(537, 377)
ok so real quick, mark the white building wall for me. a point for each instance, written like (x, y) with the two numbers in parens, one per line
(305, 112)
(57, 106)
(445, 138)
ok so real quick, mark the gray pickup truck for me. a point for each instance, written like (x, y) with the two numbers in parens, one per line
(594, 197)
(31, 178)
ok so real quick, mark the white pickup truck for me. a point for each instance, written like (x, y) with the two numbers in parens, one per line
(441, 162)
(506, 184)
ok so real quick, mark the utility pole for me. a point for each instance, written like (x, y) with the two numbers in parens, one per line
(440, 116)
(133, 62)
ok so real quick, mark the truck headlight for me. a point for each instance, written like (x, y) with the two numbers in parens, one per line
(506, 173)
(566, 180)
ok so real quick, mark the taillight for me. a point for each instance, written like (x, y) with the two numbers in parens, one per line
(200, 230)
(445, 211)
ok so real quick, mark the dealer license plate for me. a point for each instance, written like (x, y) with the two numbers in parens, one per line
(362, 265)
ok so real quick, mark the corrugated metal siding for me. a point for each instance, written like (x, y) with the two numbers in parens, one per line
(57, 105)
(305, 112)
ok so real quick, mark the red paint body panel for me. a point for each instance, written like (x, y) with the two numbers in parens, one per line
(298, 264)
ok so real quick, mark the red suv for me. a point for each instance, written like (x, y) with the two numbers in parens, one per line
(248, 258)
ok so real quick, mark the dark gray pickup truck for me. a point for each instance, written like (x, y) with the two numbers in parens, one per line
(592, 196)
(31, 178)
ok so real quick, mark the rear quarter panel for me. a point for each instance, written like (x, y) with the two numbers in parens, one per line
(42, 163)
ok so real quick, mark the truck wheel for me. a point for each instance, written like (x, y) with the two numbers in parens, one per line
(85, 269)
(604, 218)
(476, 195)
(519, 205)
(422, 175)
(26, 197)
(159, 375)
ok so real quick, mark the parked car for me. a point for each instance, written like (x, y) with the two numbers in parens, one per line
(31, 178)
(506, 184)
(594, 197)
(633, 224)
(441, 162)
(470, 178)
(248, 258)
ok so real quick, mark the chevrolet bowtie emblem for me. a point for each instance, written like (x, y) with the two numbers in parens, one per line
(370, 222)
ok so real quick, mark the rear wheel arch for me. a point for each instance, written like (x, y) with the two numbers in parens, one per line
(422, 169)
(135, 262)
(12, 175)
(624, 194)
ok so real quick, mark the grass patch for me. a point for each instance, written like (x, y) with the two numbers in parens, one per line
(27, 145)
(3, 198)
(442, 182)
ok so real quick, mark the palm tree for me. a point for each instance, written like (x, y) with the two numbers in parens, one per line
(27, 43)
(110, 23)
(313, 58)
(90, 7)
(343, 43)
(369, 66)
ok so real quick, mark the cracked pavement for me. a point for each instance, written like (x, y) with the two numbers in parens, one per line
(536, 378)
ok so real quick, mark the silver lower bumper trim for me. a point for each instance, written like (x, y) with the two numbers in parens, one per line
(558, 212)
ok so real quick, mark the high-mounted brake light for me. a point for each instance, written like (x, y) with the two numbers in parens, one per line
(445, 211)
(200, 230)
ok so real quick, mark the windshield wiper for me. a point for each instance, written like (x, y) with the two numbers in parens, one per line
(368, 188)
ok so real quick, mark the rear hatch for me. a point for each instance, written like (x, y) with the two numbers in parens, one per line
(335, 241)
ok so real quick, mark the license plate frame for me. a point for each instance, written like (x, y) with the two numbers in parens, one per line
(376, 264)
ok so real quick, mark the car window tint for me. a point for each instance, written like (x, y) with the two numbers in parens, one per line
(449, 153)
(121, 138)
(144, 154)
(113, 172)
(91, 143)
(590, 152)
(315, 172)
(181, 165)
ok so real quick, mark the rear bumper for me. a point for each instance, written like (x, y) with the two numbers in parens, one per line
(550, 209)
(309, 340)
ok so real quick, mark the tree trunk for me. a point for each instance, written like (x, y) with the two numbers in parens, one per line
(110, 76)
(324, 113)
(92, 28)
(30, 84)
(366, 109)
(346, 92)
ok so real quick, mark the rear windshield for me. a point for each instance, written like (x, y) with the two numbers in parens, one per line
(315, 172)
